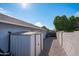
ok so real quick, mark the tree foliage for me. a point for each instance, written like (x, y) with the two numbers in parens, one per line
(57, 23)
(63, 23)
(44, 27)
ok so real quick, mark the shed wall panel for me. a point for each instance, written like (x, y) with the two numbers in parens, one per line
(20, 45)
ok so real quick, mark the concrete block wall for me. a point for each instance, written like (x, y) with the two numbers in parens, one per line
(69, 42)
(59, 37)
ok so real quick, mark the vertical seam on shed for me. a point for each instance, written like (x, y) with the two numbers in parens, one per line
(40, 42)
(35, 44)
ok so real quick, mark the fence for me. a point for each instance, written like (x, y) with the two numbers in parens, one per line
(69, 42)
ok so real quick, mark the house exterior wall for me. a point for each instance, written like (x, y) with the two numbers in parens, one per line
(70, 42)
(4, 28)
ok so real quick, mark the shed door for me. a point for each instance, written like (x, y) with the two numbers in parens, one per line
(20, 45)
(37, 44)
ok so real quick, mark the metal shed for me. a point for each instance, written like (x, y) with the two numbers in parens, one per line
(26, 44)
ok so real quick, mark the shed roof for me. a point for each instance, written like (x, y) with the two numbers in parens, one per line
(26, 33)
(12, 20)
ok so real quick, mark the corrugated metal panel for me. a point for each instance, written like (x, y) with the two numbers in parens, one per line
(20, 45)
(27, 44)
(32, 52)
(38, 48)
(42, 41)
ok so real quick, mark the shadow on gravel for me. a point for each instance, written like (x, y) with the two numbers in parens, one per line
(47, 45)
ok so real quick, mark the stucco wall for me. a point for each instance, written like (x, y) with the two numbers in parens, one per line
(69, 42)
(4, 28)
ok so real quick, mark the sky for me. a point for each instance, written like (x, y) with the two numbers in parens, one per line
(39, 14)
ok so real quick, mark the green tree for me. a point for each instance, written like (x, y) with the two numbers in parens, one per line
(60, 23)
(77, 18)
(77, 23)
(72, 23)
(44, 27)
(65, 24)
(57, 23)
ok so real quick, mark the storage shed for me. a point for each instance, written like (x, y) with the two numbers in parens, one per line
(14, 25)
(26, 44)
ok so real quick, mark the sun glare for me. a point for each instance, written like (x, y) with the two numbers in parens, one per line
(24, 5)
